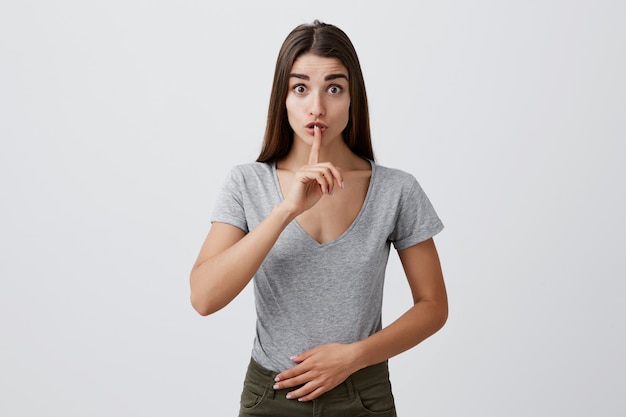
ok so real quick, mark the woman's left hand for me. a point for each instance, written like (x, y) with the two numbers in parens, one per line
(320, 369)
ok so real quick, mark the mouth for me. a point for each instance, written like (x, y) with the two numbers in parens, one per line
(311, 127)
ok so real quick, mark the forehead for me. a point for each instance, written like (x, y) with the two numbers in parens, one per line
(310, 64)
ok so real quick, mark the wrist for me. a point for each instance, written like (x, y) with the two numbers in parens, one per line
(285, 212)
(359, 356)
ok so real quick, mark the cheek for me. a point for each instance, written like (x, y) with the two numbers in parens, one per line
(292, 116)
(346, 112)
(292, 107)
(289, 109)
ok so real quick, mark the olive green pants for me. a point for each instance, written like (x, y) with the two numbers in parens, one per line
(365, 393)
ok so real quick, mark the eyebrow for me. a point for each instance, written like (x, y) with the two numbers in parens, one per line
(327, 78)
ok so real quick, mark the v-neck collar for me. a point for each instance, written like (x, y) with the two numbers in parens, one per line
(350, 227)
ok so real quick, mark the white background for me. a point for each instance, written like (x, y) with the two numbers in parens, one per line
(119, 120)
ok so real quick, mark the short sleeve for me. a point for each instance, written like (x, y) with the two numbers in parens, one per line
(417, 220)
(229, 207)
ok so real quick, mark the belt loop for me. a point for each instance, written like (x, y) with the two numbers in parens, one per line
(271, 392)
(271, 383)
(350, 388)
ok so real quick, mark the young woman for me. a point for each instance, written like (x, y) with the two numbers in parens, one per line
(312, 221)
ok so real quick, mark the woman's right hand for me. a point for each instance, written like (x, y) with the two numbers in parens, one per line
(313, 180)
(229, 257)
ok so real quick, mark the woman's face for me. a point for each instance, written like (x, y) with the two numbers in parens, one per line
(318, 94)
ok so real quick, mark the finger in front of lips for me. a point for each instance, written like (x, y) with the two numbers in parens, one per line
(314, 155)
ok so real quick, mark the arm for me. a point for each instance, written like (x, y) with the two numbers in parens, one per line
(324, 367)
(229, 258)
(428, 314)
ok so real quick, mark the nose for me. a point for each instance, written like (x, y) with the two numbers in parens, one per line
(317, 108)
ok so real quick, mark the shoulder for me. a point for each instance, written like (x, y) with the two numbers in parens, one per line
(394, 178)
(258, 168)
(252, 171)
(254, 181)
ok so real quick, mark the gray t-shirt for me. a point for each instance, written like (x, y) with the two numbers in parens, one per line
(307, 293)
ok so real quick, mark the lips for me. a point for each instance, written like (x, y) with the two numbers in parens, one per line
(318, 124)
(311, 127)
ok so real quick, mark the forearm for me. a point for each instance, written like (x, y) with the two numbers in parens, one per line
(330, 364)
(420, 322)
(217, 280)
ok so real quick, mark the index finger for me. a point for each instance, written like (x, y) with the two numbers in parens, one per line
(314, 156)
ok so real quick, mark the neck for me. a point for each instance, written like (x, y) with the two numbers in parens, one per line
(334, 151)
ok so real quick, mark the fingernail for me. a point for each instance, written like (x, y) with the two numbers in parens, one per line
(276, 386)
(288, 396)
(292, 357)
(343, 185)
(277, 379)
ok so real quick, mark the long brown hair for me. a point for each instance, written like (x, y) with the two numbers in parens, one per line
(327, 41)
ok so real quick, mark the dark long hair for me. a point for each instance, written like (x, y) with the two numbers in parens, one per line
(327, 41)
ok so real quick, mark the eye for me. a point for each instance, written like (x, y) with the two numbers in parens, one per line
(335, 89)
(299, 89)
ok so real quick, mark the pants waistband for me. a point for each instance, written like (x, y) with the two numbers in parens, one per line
(357, 380)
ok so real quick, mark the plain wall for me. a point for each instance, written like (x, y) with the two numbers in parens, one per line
(120, 119)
